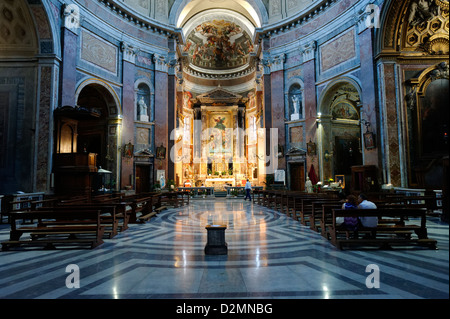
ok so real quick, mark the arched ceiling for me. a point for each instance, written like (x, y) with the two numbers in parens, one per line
(189, 9)
(218, 40)
(17, 34)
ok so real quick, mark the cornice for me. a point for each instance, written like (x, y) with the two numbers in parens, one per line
(143, 22)
(292, 22)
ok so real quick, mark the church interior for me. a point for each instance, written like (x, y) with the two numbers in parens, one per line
(168, 108)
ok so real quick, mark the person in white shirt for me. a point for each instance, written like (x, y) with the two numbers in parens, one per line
(371, 221)
(248, 188)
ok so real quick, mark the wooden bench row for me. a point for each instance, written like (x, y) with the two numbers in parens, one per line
(391, 229)
(398, 218)
(82, 220)
(79, 227)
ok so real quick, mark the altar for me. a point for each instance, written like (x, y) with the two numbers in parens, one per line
(219, 183)
(217, 141)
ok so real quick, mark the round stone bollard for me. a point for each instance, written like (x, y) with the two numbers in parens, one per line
(216, 244)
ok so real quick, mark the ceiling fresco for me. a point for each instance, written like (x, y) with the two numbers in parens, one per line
(218, 45)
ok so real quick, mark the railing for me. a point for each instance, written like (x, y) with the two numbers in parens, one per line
(199, 191)
(233, 191)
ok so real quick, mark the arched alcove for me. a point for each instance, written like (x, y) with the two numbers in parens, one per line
(339, 129)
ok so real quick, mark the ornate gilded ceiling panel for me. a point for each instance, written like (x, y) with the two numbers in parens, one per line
(218, 45)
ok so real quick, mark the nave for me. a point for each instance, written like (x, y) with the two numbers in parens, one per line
(269, 256)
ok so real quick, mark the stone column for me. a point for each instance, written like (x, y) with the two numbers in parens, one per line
(390, 142)
(69, 48)
(368, 98)
(128, 107)
(171, 115)
(277, 96)
(309, 91)
(161, 111)
(267, 109)
(48, 77)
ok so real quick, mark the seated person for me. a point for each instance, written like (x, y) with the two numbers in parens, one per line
(351, 223)
(371, 221)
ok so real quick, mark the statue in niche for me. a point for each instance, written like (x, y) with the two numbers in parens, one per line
(422, 11)
(296, 104)
(143, 113)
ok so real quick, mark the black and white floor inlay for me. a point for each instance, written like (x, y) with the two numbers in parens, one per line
(269, 256)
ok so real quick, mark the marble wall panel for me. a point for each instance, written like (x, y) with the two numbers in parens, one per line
(338, 50)
(293, 73)
(296, 136)
(391, 125)
(98, 52)
(45, 97)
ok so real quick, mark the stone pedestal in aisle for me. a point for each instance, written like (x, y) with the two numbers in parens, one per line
(216, 244)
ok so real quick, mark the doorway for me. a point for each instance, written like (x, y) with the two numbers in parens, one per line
(348, 154)
(297, 176)
(143, 178)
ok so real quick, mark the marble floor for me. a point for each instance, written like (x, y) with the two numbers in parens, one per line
(269, 256)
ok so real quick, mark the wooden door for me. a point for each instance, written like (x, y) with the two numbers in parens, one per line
(297, 176)
(142, 178)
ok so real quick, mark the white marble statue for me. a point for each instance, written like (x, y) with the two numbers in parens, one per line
(143, 115)
(296, 104)
(308, 185)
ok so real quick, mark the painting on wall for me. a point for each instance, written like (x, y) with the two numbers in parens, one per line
(218, 44)
(220, 133)
(344, 110)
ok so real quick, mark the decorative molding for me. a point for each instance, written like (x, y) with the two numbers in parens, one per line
(308, 51)
(71, 16)
(160, 63)
(219, 95)
(129, 52)
(277, 62)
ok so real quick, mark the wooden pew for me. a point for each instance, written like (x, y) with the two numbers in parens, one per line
(297, 207)
(88, 230)
(315, 220)
(108, 216)
(290, 202)
(141, 209)
(307, 207)
(326, 219)
(386, 234)
(123, 210)
(170, 199)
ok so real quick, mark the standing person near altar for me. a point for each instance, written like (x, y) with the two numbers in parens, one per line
(248, 188)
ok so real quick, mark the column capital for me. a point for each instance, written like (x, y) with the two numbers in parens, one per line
(161, 63)
(129, 52)
(72, 18)
(278, 62)
(309, 51)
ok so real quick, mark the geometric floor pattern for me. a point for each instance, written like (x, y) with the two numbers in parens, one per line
(269, 256)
